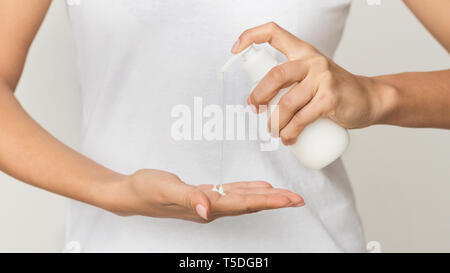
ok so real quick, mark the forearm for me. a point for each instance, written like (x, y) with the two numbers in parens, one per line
(419, 99)
(434, 16)
(31, 154)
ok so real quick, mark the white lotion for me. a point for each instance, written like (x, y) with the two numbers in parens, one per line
(322, 141)
(219, 189)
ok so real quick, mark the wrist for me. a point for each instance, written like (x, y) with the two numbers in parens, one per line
(384, 99)
(114, 194)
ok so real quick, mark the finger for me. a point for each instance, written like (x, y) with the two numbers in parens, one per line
(276, 36)
(308, 114)
(289, 104)
(192, 198)
(279, 77)
(252, 184)
(235, 204)
(295, 198)
(214, 195)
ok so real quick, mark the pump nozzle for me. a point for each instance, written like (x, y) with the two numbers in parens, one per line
(257, 62)
(233, 59)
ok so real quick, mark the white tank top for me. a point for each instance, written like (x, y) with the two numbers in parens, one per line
(140, 58)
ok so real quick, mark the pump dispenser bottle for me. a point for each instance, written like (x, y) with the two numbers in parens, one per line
(321, 142)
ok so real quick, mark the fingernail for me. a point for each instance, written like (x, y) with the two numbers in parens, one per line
(299, 205)
(201, 211)
(235, 47)
(253, 108)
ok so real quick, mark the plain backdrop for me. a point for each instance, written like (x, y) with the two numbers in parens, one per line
(401, 177)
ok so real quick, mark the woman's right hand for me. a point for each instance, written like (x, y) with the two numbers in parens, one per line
(161, 194)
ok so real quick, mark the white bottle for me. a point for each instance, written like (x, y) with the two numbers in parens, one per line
(322, 141)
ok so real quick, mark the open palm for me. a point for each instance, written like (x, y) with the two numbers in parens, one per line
(161, 194)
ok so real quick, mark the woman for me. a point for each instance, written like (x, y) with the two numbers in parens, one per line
(139, 59)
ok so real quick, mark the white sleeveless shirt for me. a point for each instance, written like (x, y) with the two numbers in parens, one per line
(140, 58)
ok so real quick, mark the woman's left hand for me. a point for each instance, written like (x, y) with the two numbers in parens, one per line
(323, 88)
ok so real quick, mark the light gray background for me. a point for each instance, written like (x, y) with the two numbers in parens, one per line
(401, 176)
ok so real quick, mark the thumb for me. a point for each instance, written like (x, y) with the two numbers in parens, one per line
(196, 200)
(200, 202)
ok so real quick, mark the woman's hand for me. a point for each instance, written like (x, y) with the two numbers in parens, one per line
(323, 88)
(161, 194)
